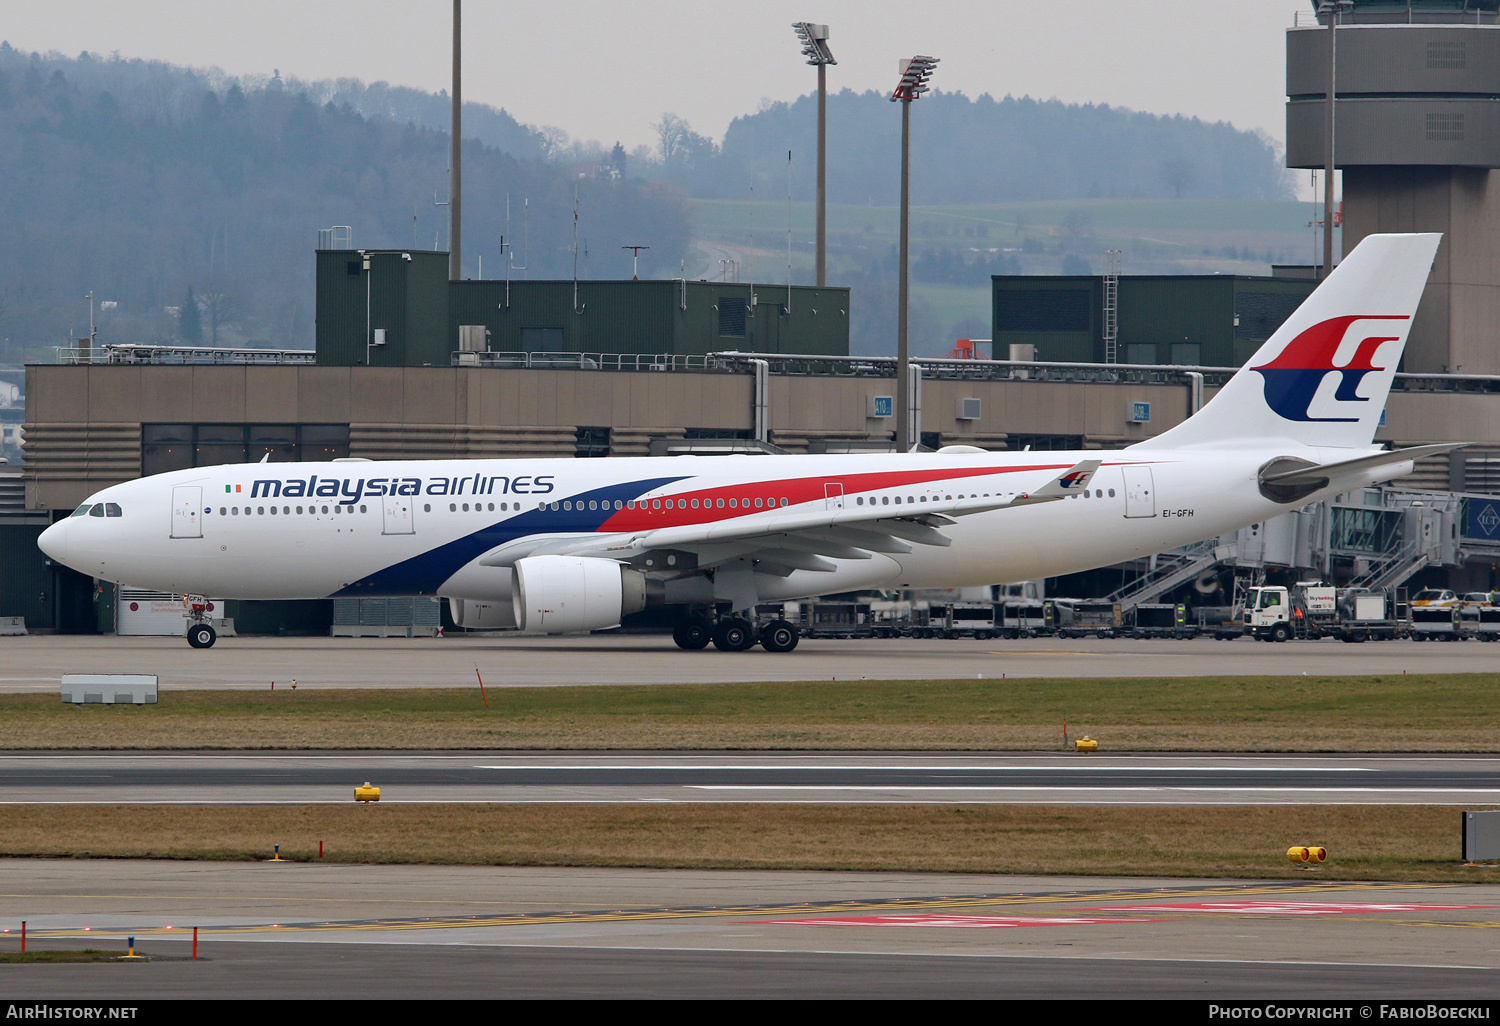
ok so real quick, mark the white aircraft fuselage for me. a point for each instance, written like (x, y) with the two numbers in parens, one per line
(250, 531)
(561, 545)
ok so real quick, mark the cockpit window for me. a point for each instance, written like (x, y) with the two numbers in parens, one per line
(112, 509)
(83, 510)
(98, 510)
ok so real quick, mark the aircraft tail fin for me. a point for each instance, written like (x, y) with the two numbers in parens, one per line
(1323, 377)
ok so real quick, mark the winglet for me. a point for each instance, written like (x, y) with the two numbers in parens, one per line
(1069, 483)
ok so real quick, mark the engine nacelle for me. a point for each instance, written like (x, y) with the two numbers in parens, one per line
(568, 594)
(482, 616)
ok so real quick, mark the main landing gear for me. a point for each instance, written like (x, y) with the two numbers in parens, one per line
(735, 634)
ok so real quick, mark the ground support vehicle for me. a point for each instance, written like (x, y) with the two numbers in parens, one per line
(1306, 610)
(1080, 619)
(960, 620)
(1435, 623)
(1222, 623)
(1486, 627)
(1159, 620)
(841, 620)
(1024, 619)
(1369, 616)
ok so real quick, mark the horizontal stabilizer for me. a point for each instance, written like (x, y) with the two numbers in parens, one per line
(1284, 482)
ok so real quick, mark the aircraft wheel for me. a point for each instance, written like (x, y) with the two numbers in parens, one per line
(734, 635)
(201, 635)
(778, 636)
(692, 634)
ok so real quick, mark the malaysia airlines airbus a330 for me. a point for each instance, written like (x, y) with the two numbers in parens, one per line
(554, 546)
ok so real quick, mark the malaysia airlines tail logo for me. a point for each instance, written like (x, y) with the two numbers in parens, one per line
(1294, 377)
(1073, 480)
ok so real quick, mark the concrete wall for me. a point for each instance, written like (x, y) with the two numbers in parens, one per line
(1458, 324)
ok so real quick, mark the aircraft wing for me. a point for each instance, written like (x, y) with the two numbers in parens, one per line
(797, 540)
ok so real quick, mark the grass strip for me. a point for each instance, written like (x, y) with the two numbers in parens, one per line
(1418, 712)
(1365, 842)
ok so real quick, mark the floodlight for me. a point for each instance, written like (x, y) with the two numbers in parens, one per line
(915, 72)
(814, 39)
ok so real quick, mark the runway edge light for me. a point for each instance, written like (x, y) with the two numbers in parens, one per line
(368, 793)
(1306, 856)
(1086, 745)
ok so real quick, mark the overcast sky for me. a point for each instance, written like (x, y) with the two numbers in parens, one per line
(607, 69)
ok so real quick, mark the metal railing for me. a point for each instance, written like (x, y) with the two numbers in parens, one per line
(949, 368)
(787, 364)
(131, 353)
(595, 361)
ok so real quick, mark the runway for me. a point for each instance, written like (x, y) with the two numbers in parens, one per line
(314, 931)
(35, 663)
(815, 777)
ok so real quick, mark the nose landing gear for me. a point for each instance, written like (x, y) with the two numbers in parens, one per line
(200, 633)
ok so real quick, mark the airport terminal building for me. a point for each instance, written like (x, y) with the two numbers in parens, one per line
(411, 364)
(672, 371)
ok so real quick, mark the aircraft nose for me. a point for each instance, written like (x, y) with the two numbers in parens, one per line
(54, 542)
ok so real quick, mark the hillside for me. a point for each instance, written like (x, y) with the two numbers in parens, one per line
(979, 151)
(139, 181)
(146, 184)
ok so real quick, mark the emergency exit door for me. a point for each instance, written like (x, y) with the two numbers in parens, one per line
(1140, 492)
(397, 517)
(187, 511)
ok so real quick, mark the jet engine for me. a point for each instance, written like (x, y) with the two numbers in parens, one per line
(568, 594)
(482, 616)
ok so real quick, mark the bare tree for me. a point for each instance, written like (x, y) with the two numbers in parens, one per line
(554, 140)
(220, 308)
(671, 132)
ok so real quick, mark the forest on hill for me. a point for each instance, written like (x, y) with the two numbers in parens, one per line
(980, 150)
(145, 184)
(188, 201)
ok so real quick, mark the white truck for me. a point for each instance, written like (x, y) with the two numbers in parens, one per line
(1311, 609)
(1275, 613)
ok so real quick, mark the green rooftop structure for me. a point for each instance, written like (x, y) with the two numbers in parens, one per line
(397, 308)
(1216, 320)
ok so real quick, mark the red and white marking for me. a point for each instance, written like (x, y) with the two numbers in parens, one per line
(951, 922)
(1281, 908)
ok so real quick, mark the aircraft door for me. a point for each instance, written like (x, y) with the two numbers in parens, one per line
(833, 494)
(187, 511)
(397, 516)
(1140, 492)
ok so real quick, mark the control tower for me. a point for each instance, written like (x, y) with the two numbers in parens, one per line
(1417, 137)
